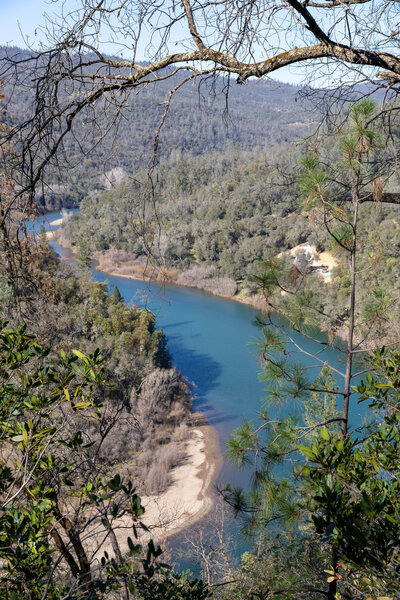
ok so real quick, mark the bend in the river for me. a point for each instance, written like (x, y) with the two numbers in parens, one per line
(210, 342)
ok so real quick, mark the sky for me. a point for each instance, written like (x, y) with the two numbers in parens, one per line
(24, 14)
(20, 22)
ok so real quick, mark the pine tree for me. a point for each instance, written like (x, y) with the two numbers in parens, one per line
(321, 431)
(115, 296)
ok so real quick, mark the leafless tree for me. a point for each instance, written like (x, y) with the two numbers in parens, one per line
(79, 83)
(211, 546)
(331, 41)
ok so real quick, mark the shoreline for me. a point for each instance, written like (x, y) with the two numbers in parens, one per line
(257, 302)
(138, 273)
(190, 496)
(171, 277)
(187, 499)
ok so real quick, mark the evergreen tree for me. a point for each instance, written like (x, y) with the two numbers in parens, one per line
(84, 253)
(115, 296)
(321, 489)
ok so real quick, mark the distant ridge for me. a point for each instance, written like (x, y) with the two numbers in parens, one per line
(262, 114)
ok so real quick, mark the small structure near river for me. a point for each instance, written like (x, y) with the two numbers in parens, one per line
(306, 257)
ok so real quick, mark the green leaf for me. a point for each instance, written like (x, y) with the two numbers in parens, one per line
(307, 452)
(79, 354)
(325, 434)
(339, 445)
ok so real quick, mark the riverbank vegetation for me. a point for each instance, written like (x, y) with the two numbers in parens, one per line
(66, 508)
(148, 401)
(323, 509)
(218, 217)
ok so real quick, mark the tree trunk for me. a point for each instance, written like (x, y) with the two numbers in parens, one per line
(350, 335)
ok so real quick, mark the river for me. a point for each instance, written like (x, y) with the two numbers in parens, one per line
(210, 341)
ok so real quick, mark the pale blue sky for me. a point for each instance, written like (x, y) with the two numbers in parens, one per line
(29, 14)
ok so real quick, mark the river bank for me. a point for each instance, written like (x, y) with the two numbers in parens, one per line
(200, 278)
(190, 495)
(187, 500)
(118, 264)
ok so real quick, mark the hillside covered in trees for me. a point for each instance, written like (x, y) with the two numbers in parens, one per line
(201, 118)
(230, 212)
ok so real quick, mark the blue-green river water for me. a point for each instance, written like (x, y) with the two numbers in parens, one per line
(210, 342)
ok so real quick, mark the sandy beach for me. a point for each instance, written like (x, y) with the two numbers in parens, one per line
(51, 235)
(57, 222)
(191, 494)
(185, 501)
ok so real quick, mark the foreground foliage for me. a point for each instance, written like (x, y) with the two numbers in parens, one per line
(57, 510)
(344, 494)
(352, 490)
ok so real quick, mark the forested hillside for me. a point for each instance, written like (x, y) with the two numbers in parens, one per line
(201, 118)
(232, 211)
(225, 193)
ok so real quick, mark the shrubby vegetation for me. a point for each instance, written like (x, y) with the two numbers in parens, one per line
(146, 400)
(231, 212)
